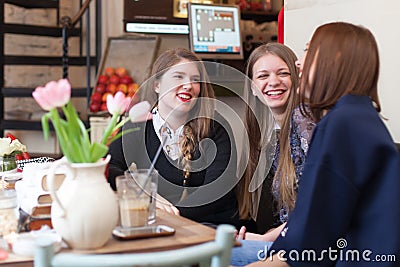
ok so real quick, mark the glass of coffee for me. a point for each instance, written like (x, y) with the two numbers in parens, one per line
(135, 195)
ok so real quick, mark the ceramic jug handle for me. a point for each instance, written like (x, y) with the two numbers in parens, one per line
(50, 182)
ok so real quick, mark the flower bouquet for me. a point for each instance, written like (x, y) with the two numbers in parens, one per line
(11, 149)
(71, 131)
(75, 213)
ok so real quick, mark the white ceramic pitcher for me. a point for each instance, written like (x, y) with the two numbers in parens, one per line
(84, 209)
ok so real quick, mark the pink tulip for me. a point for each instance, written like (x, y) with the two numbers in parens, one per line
(53, 94)
(118, 104)
(140, 112)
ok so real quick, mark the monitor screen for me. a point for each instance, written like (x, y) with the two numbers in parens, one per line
(214, 31)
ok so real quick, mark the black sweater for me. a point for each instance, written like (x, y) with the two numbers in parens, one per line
(211, 185)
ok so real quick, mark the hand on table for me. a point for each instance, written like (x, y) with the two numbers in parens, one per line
(243, 235)
(165, 205)
(271, 235)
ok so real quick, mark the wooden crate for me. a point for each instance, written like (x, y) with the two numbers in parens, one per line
(136, 53)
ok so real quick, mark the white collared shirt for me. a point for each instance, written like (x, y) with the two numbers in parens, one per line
(171, 145)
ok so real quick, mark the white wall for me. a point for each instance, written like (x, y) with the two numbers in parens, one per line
(381, 17)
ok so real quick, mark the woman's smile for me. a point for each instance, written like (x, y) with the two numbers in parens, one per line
(184, 96)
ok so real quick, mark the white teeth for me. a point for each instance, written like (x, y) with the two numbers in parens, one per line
(184, 96)
(274, 93)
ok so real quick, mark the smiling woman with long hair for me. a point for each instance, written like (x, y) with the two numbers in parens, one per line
(197, 166)
(271, 90)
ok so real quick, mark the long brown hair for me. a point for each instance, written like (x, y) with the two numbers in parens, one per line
(203, 111)
(343, 59)
(256, 132)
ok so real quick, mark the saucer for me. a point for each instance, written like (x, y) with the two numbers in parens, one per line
(13, 177)
(25, 243)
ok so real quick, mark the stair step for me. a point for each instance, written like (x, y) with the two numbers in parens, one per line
(28, 125)
(35, 3)
(27, 92)
(38, 30)
(49, 61)
(21, 125)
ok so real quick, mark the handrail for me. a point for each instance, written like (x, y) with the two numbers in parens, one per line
(66, 21)
(78, 15)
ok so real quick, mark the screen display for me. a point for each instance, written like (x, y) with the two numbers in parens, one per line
(214, 31)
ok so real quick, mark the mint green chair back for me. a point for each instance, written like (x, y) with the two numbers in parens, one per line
(216, 253)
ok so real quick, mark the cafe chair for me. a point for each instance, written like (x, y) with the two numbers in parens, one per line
(213, 253)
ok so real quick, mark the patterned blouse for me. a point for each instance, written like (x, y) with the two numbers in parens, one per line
(300, 136)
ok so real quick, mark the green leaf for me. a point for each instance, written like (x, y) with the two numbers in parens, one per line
(84, 135)
(109, 129)
(97, 151)
(121, 123)
(72, 117)
(79, 153)
(45, 125)
(120, 134)
(61, 126)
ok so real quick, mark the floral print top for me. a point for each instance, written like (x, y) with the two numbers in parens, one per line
(300, 136)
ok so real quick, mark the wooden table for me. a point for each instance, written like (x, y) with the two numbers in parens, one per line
(187, 233)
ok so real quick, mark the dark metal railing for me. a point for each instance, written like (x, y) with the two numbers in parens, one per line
(68, 24)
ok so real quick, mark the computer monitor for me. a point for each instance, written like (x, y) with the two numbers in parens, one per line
(214, 31)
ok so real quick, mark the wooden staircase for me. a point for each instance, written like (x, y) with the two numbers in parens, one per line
(63, 61)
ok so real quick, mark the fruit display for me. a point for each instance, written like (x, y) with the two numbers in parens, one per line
(112, 80)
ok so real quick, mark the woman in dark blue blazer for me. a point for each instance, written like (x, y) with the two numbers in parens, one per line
(347, 209)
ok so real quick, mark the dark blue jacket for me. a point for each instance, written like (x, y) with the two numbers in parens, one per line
(348, 204)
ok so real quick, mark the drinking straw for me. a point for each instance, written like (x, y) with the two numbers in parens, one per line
(153, 163)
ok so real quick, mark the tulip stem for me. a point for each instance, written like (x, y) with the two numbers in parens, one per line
(121, 123)
(110, 128)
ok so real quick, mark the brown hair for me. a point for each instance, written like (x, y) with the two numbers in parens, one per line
(285, 171)
(202, 113)
(343, 59)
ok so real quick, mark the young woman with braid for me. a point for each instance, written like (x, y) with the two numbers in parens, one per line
(272, 92)
(197, 166)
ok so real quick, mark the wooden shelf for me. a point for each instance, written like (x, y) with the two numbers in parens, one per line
(48, 61)
(27, 92)
(38, 30)
(34, 4)
(28, 125)
(21, 125)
